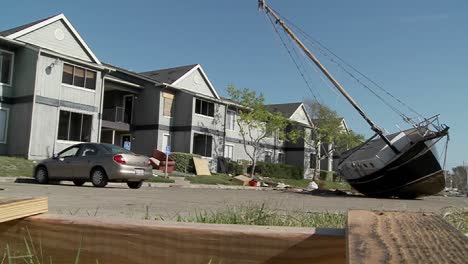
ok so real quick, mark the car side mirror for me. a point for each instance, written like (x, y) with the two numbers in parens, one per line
(55, 156)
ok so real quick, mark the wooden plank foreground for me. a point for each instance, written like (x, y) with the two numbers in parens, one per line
(11, 209)
(158, 242)
(395, 237)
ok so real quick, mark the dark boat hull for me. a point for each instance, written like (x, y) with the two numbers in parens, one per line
(415, 173)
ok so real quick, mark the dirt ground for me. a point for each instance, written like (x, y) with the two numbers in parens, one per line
(156, 203)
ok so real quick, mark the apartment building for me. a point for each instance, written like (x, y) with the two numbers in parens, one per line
(55, 93)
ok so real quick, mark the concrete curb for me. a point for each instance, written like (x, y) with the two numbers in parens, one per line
(29, 180)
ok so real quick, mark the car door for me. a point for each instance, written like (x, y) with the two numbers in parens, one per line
(85, 159)
(60, 167)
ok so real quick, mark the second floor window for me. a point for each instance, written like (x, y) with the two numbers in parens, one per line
(204, 108)
(74, 126)
(168, 104)
(6, 67)
(230, 119)
(79, 77)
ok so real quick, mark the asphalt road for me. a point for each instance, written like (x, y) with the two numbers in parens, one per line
(154, 203)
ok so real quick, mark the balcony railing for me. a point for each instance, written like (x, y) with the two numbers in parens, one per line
(116, 114)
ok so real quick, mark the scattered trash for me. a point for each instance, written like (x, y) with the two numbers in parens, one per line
(241, 179)
(312, 186)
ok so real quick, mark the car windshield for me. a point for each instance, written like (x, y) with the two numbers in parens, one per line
(116, 149)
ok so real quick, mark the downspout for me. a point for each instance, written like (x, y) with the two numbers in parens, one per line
(224, 129)
(28, 156)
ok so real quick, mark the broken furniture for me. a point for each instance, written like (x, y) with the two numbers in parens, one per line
(161, 157)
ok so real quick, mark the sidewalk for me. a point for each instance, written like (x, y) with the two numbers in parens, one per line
(180, 182)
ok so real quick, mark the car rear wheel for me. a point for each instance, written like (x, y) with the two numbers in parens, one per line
(41, 175)
(79, 182)
(134, 185)
(98, 178)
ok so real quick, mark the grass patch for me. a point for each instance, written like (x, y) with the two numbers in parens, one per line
(211, 180)
(294, 183)
(15, 167)
(160, 179)
(259, 214)
(334, 185)
(458, 217)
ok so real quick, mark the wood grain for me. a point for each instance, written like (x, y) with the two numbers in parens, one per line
(201, 166)
(14, 208)
(160, 242)
(395, 237)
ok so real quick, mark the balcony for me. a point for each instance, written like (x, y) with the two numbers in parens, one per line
(117, 118)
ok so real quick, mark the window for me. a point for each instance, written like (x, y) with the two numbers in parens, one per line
(312, 161)
(204, 108)
(229, 151)
(74, 126)
(88, 151)
(3, 124)
(69, 152)
(268, 156)
(79, 77)
(202, 144)
(230, 119)
(6, 67)
(168, 104)
(280, 157)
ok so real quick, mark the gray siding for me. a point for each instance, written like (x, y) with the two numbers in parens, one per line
(195, 82)
(46, 37)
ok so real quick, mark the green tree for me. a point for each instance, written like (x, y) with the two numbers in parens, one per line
(256, 123)
(329, 131)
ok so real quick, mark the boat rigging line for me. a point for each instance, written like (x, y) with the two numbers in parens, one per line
(324, 50)
(338, 86)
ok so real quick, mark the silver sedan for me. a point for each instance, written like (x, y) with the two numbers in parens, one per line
(98, 163)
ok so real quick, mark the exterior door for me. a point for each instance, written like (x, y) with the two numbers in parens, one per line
(83, 161)
(128, 108)
(61, 166)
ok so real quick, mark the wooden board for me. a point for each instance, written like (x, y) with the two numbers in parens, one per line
(119, 242)
(201, 166)
(395, 237)
(14, 208)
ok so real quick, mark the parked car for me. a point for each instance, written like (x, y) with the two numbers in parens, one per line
(98, 163)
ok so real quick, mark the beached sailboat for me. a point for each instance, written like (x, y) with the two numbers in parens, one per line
(403, 164)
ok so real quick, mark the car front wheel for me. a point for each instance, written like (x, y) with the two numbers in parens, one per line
(41, 175)
(134, 185)
(98, 178)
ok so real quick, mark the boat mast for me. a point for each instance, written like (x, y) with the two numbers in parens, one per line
(374, 127)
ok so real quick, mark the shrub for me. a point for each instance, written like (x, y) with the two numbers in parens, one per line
(278, 170)
(235, 168)
(327, 176)
(184, 161)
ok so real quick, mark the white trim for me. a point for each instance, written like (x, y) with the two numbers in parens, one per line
(306, 114)
(78, 87)
(12, 67)
(122, 82)
(50, 21)
(200, 115)
(205, 77)
(7, 110)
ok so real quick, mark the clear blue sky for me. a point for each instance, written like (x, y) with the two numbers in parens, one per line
(417, 49)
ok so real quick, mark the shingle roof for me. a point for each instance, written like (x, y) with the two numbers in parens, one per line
(287, 109)
(19, 28)
(170, 75)
(128, 72)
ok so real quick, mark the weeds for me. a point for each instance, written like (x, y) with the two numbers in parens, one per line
(458, 217)
(260, 214)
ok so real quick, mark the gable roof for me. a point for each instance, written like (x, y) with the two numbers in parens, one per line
(17, 32)
(172, 76)
(287, 109)
(169, 75)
